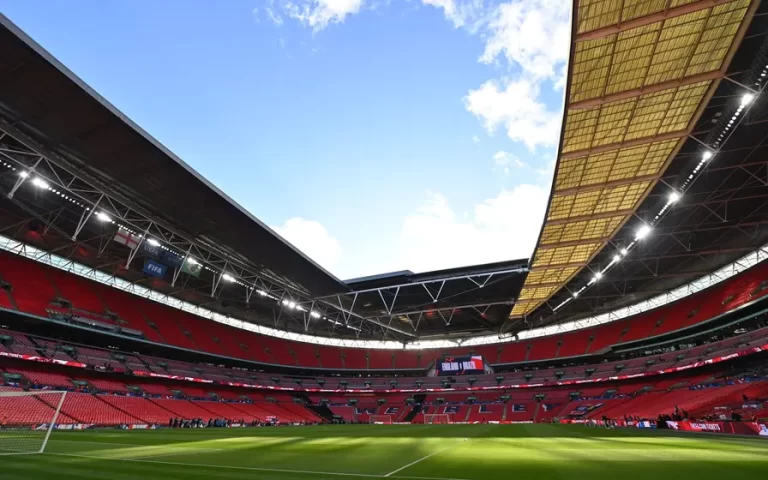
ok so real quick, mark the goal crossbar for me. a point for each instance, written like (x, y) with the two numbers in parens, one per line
(381, 419)
(437, 418)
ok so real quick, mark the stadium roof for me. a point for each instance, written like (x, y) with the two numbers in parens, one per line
(41, 98)
(641, 76)
(96, 164)
(463, 301)
(634, 129)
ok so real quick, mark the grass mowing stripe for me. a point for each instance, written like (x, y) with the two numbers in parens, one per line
(175, 453)
(255, 469)
(433, 454)
(74, 442)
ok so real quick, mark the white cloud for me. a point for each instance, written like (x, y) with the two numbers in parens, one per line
(313, 240)
(531, 34)
(515, 106)
(435, 236)
(270, 12)
(318, 14)
(533, 38)
(475, 139)
(505, 161)
(460, 13)
(501, 228)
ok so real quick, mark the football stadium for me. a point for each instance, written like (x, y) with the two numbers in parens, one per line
(149, 334)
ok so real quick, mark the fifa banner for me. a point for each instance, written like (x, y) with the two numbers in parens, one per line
(737, 428)
(460, 365)
(154, 269)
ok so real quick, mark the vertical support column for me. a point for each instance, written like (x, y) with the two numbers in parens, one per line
(132, 255)
(85, 216)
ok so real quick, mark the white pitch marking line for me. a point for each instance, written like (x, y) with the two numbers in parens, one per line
(75, 442)
(414, 463)
(255, 469)
(431, 455)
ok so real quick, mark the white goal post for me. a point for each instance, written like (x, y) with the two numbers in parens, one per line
(381, 419)
(27, 420)
(437, 418)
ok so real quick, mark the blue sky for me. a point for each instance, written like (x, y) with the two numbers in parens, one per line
(374, 135)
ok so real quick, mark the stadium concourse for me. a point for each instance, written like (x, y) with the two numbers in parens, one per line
(148, 333)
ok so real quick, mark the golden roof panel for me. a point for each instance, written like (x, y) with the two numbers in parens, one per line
(640, 73)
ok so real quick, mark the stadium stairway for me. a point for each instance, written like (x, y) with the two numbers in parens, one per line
(322, 411)
(418, 399)
(415, 411)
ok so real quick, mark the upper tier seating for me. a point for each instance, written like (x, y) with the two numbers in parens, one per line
(35, 286)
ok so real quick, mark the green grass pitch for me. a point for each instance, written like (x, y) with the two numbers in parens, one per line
(359, 452)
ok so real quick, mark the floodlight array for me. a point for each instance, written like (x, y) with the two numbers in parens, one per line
(41, 184)
(101, 216)
(674, 196)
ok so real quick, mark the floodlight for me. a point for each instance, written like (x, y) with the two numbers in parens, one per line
(153, 242)
(623, 252)
(192, 261)
(227, 277)
(747, 99)
(674, 197)
(642, 232)
(23, 174)
(39, 183)
(706, 155)
(616, 258)
(575, 294)
(598, 276)
(262, 293)
(314, 314)
(103, 217)
(291, 304)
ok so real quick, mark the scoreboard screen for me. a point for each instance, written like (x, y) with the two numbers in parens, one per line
(460, 365)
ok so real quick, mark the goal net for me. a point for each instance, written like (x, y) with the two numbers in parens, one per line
(437, 418)
(381, 419)
(27, 419)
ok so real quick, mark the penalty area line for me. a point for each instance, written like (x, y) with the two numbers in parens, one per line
(254, 469)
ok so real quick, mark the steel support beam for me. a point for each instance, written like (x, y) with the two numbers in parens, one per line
(666, 14)
(654, 88)
(439, 280)
(627, 144)
(581, 218)
(573, 243)
(454, 308)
